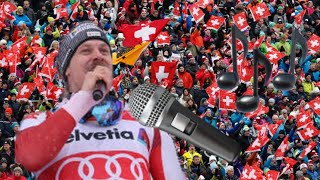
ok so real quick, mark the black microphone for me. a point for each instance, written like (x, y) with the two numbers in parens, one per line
(98, 93)
(154, 106)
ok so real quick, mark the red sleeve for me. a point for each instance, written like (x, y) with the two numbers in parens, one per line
(190, 79)
(199, 74)
(38, 145)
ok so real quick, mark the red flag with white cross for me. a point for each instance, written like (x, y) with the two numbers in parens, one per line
(8, 7)
(12, 59)
(303, 118)
(314, 43)
(272, 175)
(308, 132)
(258, 143)
(3, 61)
(163, 38)
(74, 9)
(196, 12)
(213, 92)
(284, 146)
(315, 105)
(299, 17)
(227, 100)
(136, 34)
(161, 71)
(61, 12)
(260, 11)
(39, 84)
(20, 45)
(240, 20)
(39, 53)
(308, 149)
(273, 128)
(204, 3)
(176, 9)
(25, 90)
(215, 22)
(251, 172)
(53, 92)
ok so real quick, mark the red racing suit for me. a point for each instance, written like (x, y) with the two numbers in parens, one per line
(56, 146)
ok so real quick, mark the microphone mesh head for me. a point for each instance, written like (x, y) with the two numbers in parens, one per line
(139, 98)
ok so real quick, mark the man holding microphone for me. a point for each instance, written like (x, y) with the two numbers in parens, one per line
(67, 144)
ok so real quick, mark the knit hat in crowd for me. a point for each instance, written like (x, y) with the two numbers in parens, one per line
(83, 32)
(18, 169)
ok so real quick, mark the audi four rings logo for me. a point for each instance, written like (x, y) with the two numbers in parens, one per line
(118, 166)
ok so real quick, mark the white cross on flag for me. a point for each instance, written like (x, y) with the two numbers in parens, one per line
(161, 71)
(255, 44)
(308, 132)
(260, 110)
(308, 149)
(284, 146)
(275, 56)
(215, 22)
(196, 12)
(20, 45)
(12, 59)
(239, 45)
(260, 11)
(314, 43)
(258, 143)
(240, 20)
(163, 38)
(39, 84)
(303, 119)
(227, 100)
(272, 175)
(204, 3)
(39, 53)
(25, 90)
(136, 34)
(3, 61)
(315, 105)
(8, 7)
(289, 165)
(53, 92)
(251, 172)
(176, 9)
(213, 92)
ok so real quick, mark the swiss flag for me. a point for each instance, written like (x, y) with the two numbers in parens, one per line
(8, 7)
(308, 149)
(272, 175)
(196, 12)
(204, 3)
(215, 22)
(260, 110)
(251, 172)
(48, 69)
(260, 11)
(239, 45)
(136, 34)
(163, 38)
(273, 129)
(240, 20)
(315, 105)
(227, 100)
(299, 17)
(161, 71)
(185, 9)
(289, 165)
(258, 143)
(314, 43)
(60, 3)
(213, 92)
(25, 90)
(39, 53)
(20, 45)
(308, 132)
(39, 84)
(284, 146)
(61, 12)
(176, 10)
(256, 44)
(275, 56)
(53, 92)
(12, 59)
(74, 9)
(3, 61)
(117, 81)
(303, 118)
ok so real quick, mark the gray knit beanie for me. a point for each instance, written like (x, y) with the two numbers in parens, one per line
(84, 31)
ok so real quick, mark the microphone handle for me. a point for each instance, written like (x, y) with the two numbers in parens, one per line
(98, 93)
(181, 122)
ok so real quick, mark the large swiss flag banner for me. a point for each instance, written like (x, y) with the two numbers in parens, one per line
(136, 34)
(260, 11)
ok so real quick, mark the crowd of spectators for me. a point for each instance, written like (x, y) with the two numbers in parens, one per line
(204, 54)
